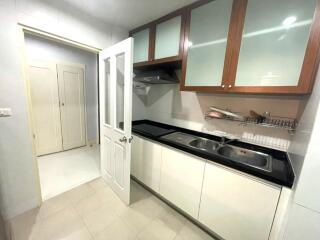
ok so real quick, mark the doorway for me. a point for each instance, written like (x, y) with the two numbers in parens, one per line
(63, 89)
(58, 106)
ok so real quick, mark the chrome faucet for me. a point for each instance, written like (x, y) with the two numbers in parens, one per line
(224, 141)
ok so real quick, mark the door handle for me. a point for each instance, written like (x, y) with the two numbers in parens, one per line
(124, 139)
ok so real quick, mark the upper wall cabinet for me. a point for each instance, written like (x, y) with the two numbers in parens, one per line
(274, 54)
(251, 46)
(159, 42)
(207, 41)
(168, 34)
(141, 46)
(236, 46)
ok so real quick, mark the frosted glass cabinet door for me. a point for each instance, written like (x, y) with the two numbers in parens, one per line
(141, 46)
(274, 42)
(168, 38)
(209, 28)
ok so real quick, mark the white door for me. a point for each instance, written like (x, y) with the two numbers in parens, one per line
(71, 92)
(45, 107)
(115, 80)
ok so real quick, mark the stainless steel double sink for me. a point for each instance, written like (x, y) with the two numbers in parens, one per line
(236, 154)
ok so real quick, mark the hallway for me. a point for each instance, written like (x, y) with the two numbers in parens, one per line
(60, 172)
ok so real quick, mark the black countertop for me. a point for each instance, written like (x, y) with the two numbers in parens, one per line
(282, 172)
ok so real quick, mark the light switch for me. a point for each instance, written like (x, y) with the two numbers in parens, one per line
(5, 112)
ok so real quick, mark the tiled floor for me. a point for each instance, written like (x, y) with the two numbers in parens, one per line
(93, 212)
(60, 172)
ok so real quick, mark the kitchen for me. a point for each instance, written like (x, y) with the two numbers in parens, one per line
(224, 120)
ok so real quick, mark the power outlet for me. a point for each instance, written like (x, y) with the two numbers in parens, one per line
(5, 112)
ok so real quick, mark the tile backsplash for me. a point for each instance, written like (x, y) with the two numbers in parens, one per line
(167, 104)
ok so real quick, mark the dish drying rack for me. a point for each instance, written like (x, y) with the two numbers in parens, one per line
(289, 124)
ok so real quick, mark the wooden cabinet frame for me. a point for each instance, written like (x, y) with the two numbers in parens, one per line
(232, 29)
(236, 25)
(152, 39)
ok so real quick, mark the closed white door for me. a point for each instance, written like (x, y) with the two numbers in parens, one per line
(115, 116)
(71, 92)
(45, 107)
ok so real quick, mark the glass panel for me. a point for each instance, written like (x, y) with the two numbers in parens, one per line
(141, 46)
(120, 91)
(168, 38)
(274, 42)
(107, 92)
(209, 28)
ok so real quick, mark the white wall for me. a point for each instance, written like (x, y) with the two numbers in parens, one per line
(42, 49)
(18, 176)
(139, 110)
(303, 224)
(304, 211)
(300, 142)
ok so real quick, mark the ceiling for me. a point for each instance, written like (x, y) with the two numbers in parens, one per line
(127, 13)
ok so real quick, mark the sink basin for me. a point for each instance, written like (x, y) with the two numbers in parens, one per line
(247, 157)
(192, 141)
(240, 155)
(204, 144)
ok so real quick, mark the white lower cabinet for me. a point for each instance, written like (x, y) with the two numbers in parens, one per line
(146, 162)
(136, 157)
(235, 206)
(181, 180)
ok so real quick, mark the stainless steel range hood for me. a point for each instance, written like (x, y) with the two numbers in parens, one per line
(158, 76)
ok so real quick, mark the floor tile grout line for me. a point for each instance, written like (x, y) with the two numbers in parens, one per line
(92, 237)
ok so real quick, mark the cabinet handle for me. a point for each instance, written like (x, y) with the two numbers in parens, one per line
(124, 139)
(222, 85)
(230, 86)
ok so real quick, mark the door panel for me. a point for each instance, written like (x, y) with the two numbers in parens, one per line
(71, 91)
(119, 164)
(115, 80)
(107, 98)
(45, 107)
(106, 153)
